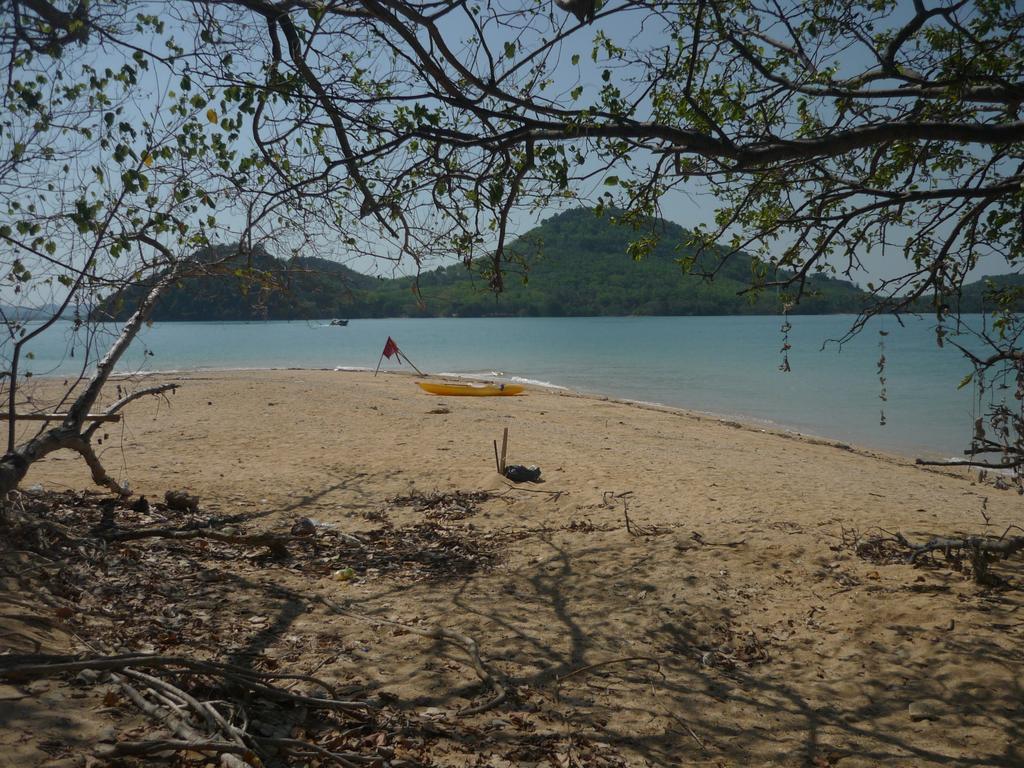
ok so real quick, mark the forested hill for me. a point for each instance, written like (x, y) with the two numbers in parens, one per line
(257, 287)
(574, 263)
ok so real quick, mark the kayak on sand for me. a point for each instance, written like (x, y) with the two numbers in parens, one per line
(481, 389)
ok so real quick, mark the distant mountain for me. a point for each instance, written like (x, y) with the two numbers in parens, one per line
(574, 263)
(22, 314)
(256, 287)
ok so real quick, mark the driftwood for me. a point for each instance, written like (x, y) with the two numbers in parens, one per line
(177, 697)
(980, 544)
(236, 747)
(172, 718)
(197, 726)
(156, 746)
(33, 667)
(895, 548)
(276, 544)
(203, 529)
(970, 463)
(698, 537)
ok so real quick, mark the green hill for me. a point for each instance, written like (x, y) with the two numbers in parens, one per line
(574, 263)
(577, 264)
(259, 287)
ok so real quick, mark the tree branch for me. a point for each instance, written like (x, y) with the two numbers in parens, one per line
(117, 406)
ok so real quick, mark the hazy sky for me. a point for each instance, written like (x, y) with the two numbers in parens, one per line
(690, 205)
(687, 207)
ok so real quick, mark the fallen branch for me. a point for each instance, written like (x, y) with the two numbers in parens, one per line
(177, 697)
(299, 748)
(979, 550)
(181, 728)
(970, 463)
(276, 544)
(598, 665)
(634, 529)
(699, 538)
(236, 745)
(982, 544)
(256, 681)
(155, 746)
(170, 705)
(884, 547)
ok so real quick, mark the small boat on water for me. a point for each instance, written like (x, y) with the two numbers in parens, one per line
(341, 323)
(470, 389)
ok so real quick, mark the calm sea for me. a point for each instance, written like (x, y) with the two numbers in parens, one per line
(722, 365)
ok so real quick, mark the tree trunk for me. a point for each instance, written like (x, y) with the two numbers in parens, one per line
(14, 465)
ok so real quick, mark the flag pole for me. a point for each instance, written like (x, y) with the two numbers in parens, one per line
(410, 362)
(391, 348)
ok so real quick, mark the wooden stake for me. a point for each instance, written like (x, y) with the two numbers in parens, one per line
(504, 448)
(497, 463)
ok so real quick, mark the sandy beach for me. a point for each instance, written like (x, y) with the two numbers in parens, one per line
(731, 623)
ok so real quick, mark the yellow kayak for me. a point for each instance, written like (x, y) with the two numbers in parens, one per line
(481, 389)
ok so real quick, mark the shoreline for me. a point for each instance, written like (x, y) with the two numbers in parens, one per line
(667, 361)
(745, 421)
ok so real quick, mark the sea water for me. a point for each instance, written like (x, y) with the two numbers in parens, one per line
(727, 366)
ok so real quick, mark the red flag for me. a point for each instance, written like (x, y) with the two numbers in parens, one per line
(391, 350)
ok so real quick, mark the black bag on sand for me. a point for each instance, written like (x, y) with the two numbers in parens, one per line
(517, 473)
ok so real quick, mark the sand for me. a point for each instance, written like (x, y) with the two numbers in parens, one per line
(756, 637)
